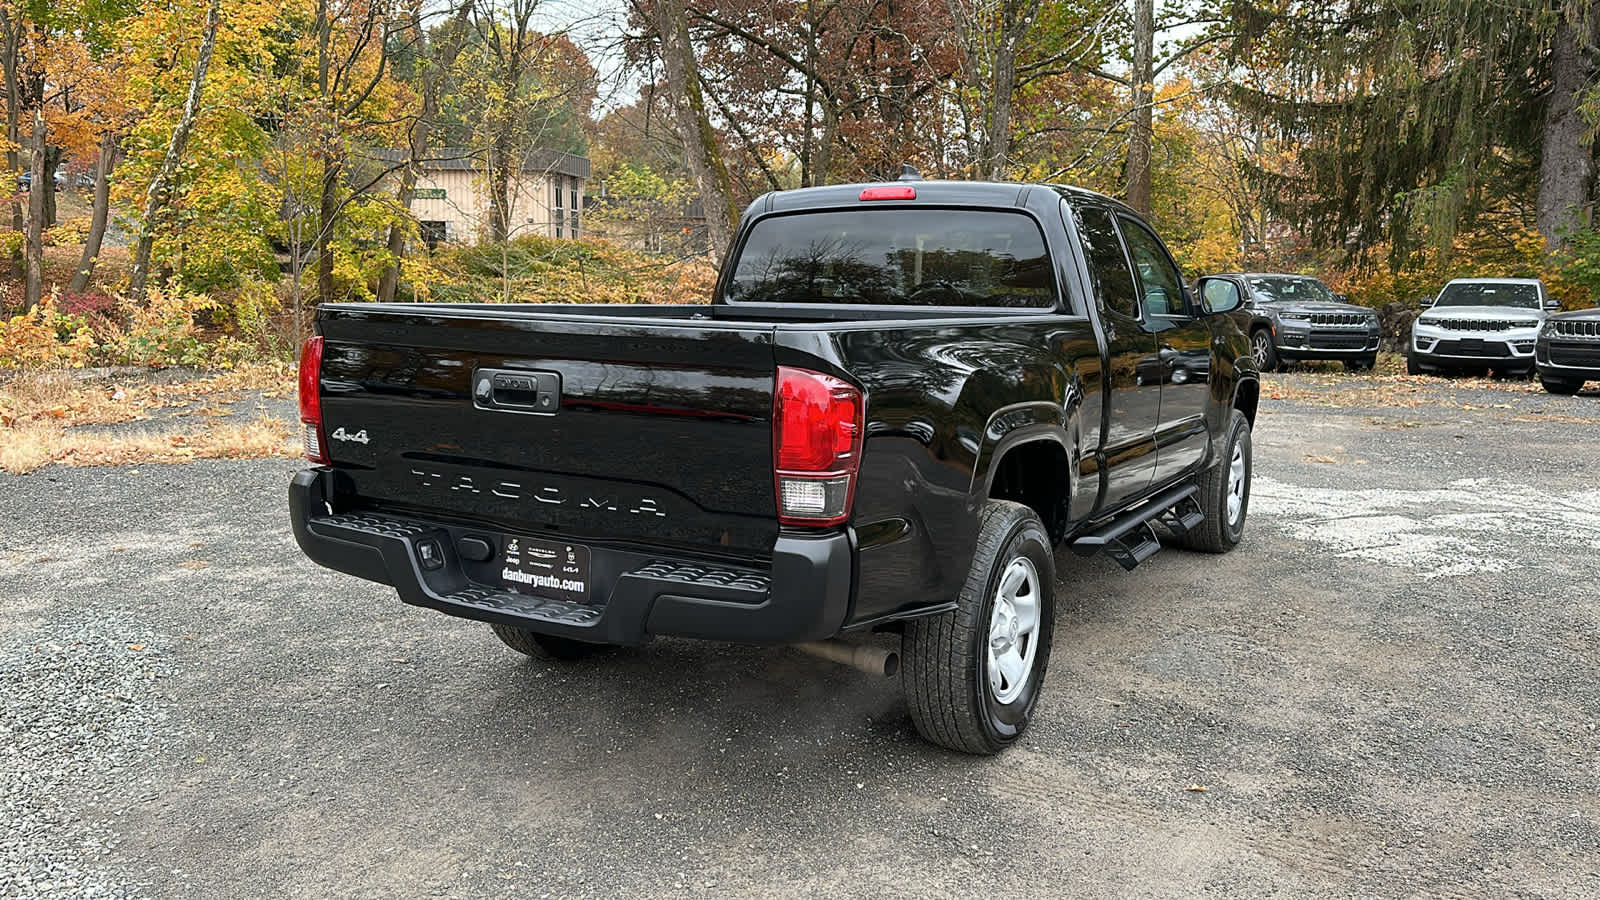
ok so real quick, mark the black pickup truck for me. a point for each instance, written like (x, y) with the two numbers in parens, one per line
(901, 399)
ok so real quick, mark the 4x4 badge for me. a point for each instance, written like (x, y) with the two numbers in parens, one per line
(359, 437)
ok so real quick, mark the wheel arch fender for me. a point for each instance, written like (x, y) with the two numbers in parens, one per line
(1045, 437)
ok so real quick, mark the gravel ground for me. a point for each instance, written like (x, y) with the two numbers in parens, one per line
(1391, 688)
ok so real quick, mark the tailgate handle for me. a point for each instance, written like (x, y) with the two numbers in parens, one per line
(538, 392)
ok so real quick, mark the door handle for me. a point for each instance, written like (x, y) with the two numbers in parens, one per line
(530, 392)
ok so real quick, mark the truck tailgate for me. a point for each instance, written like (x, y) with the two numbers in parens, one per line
(591, 427)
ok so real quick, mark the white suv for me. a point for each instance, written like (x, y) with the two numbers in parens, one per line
(1479, 323)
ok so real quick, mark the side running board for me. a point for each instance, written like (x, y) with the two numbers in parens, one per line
(1130, 537)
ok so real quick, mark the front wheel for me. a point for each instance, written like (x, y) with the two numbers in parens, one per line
(1361, 363)
(1224, 492)
(1261, 348)
(1563, 386)
(972, 675)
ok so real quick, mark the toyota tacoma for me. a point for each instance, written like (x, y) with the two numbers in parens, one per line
(900, 399)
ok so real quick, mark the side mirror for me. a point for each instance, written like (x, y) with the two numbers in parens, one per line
(1552, 305)
(1219, 295)
(1342, 298)
(1425, 302)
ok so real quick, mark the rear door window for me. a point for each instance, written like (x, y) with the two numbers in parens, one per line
(913, 257)
(1162, 287)
(1108, 264)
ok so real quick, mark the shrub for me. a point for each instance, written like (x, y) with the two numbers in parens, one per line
(45, 336)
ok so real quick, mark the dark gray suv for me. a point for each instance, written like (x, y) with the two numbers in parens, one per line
(1568, 350)
(1296, 317)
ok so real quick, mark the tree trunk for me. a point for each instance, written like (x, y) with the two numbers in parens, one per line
(52, 162)
(1141, 125)
(439, 59)
(33, 291)
(160, 192)
(498, 180)
(327, 210)
(97, 221)
(1016, 17)
(706, 165)
(1566, 161)
(10, 52)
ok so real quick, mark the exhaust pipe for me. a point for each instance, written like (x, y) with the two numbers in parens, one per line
(871, 660)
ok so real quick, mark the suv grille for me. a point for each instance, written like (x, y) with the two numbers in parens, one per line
(1589, 329)
(1481, 324)
(1338, 319)
(1338, 340)
(1585, 356)
(1490, 349)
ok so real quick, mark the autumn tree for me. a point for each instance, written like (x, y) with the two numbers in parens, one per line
(159, 196)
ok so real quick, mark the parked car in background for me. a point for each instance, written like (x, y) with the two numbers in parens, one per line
(1296, 317)
(1480, 323)
(1567, 351)
(25, 181)
(1173, 366)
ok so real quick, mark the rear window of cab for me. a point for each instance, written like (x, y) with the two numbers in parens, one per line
(910, 257)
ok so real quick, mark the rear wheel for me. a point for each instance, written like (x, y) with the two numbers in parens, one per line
(1225, 492)
(544, 646)
(1261, 348)
(972, 675)
(1563, 386)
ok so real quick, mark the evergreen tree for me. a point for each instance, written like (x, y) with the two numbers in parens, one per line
(1416, 117)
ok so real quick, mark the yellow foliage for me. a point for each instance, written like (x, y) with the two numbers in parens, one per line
(69, 231)
(1514, 252)
(45, 337)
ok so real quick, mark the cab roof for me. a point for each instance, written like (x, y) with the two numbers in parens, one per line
(984, 194)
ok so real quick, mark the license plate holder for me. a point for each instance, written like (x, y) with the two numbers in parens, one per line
(558, 570)
(1471, 346)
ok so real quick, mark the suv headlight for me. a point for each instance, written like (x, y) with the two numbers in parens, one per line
(1429, 322)
(1297, 316)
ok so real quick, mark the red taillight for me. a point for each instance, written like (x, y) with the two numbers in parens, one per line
(311, 400)
(816, 440)
(897, 192)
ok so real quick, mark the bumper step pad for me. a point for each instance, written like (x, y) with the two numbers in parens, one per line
(526, 605)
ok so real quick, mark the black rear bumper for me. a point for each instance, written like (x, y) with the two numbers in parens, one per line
(804, 595)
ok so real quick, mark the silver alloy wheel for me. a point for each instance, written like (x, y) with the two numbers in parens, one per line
(1013, 630)
(1236, 485)
(1260, 347)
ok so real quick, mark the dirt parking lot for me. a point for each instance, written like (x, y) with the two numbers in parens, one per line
(1391, 688)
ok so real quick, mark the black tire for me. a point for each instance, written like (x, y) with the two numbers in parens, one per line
(1562, 386)
(1218, 533)
(1261, 348)
(945, 659)
(1361, 364)
(1412, 366)
(543, 646)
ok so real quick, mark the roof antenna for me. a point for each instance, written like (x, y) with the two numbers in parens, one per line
(908, 172)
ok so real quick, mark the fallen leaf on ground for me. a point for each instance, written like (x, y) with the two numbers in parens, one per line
(1197, 789)
(136, 647)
